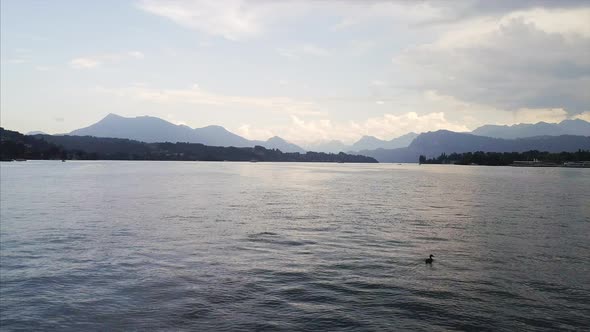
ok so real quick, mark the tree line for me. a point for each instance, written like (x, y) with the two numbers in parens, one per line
(505, 158)
(14, 145)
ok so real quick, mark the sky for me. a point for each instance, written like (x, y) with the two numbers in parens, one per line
(308, 71)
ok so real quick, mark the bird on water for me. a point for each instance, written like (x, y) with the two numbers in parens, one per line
(429, 260)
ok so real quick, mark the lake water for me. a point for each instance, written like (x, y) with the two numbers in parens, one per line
(286, 246)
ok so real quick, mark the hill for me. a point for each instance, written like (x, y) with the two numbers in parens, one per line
(280, 144)
(152, 129)
(14, 145)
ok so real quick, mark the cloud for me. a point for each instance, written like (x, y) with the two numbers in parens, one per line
(199, 96)
(360, 47)
(230, 19)
(91, 62)
(287, 53)
(583, 116)
(17, 56)
(17, 61)
(246, 19)
(43, 68)
(314, 50)
(527, 59)
(84, 63)
(438, 13)
(247, 131)
(299, 51)
(527, 115)
(387, 126)
(354, 13)
(452, 114)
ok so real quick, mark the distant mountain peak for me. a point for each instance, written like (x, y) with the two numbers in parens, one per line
(368, 138)
(112, 116)
(153, 129)
(277, 142)
(566, 127)
(35, 132)
(213, 127)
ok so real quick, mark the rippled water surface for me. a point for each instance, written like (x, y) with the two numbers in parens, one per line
(271, 246)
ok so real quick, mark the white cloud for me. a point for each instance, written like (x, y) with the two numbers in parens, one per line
(247, 131)
(524, 59)
(528, 115)
(230, 19)
(583, 116)
(360, 47)
(466, 116)
(246, 19)
(136, 54)
(300, 51)
(287, 53)
(197, 95)
(44, 68)
(567, 22)
(17, 56)
(314, 50)
(94, 61)
(378, 83)
(473, 115)
(84, 63)
(387, 126)
(355, 13)
(17, 61)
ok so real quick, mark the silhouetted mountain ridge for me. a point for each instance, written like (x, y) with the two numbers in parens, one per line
(432, 144)
(14, 145)
(364, 143)
(152, 129)
(566, 127)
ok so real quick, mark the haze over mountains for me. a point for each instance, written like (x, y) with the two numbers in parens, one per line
(364, 143)
(568, 135)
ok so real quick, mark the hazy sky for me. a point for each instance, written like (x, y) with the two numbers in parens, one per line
(303, 70)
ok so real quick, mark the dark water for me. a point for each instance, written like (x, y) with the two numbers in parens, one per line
(263, 246)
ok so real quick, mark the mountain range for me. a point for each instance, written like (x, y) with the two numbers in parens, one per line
(16, 146)
(151, 130)
(432, 144)
(568, 135)
(364, 143)
(565, 127)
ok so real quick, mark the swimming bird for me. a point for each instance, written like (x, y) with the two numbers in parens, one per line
(429, 260)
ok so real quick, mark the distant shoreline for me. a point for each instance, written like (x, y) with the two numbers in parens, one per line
(203, 161)
(17, 146)
(533, 158)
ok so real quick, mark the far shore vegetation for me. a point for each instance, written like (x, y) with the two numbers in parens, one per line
(16, 146)
(509, 158)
